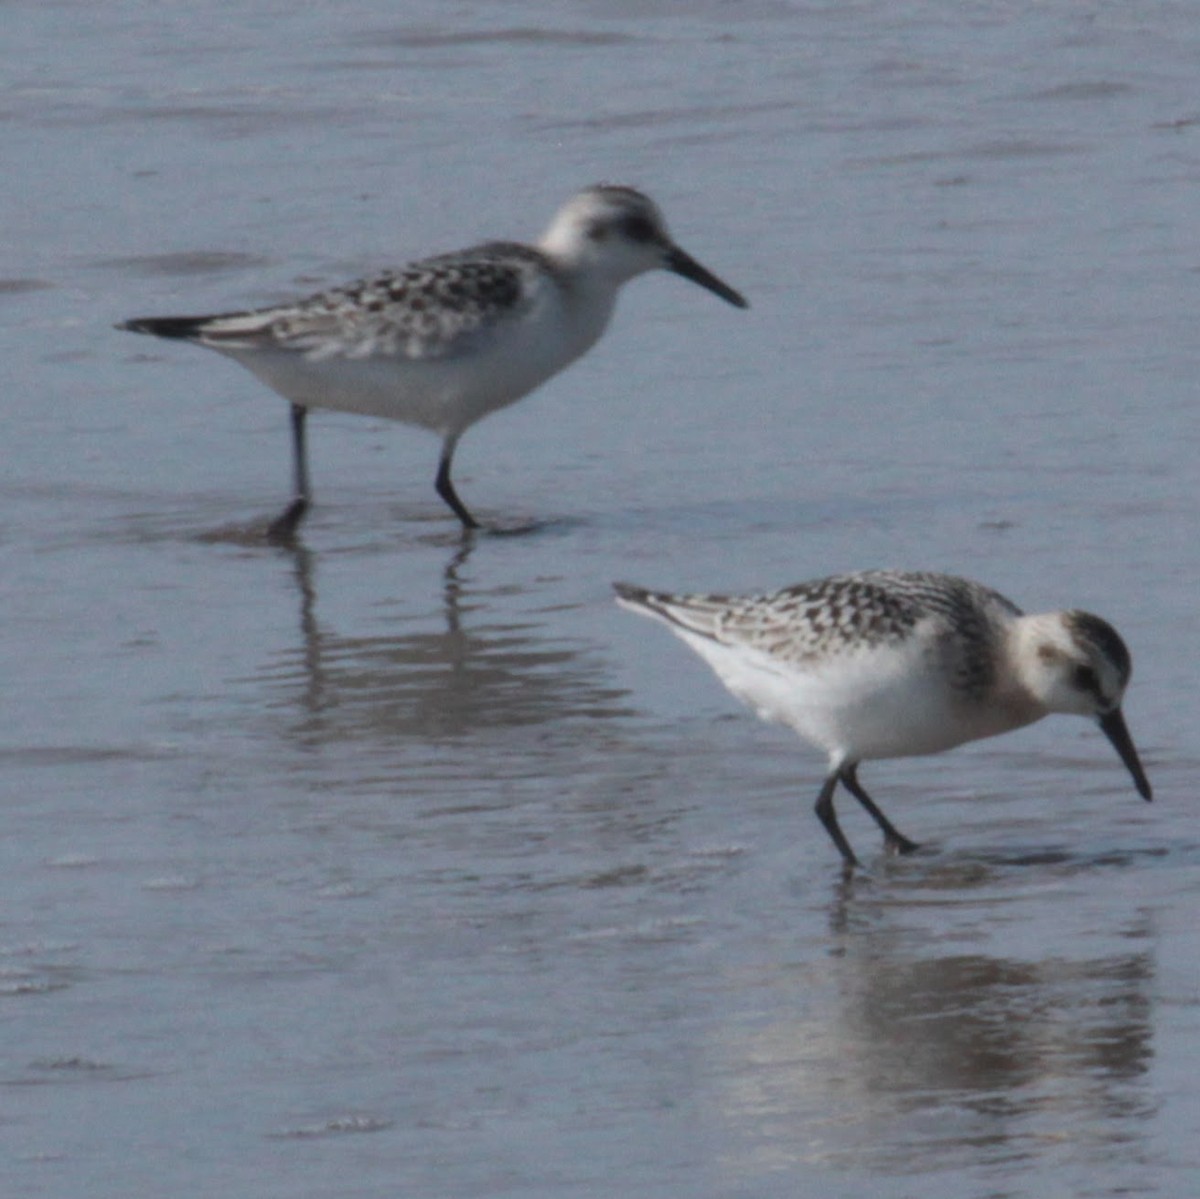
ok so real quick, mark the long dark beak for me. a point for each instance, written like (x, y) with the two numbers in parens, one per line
(1113, 725)
(684, 264)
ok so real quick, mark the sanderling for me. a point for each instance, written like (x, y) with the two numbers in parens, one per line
(887, 664)
(445, 341)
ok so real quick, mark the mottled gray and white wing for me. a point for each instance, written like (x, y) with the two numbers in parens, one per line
(825, 617)
(437, 308)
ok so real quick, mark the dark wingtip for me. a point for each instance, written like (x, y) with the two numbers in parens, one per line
(631, 592)
(164, 326)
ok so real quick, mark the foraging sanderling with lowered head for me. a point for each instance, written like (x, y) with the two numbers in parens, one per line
(445, 341)
(888, 664)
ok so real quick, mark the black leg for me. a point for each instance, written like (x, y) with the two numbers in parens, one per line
(825, 813)
(446, 489)
(283, 527)
(893, 838)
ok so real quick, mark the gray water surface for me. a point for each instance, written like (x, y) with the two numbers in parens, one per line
(401, 866)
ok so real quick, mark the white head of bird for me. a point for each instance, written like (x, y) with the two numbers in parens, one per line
(615, 233)
(1073, 662)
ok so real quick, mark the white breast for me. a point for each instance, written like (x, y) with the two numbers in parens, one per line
(446, 394)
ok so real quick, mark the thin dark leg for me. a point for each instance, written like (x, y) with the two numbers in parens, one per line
(446, 489)
(893, 838)
(283, 527)
(825, 813)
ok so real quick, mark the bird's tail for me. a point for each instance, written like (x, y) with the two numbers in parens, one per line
(692, 613)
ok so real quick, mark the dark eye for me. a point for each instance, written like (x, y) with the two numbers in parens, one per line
(597, 231)
(1085, 679)
(637, 228)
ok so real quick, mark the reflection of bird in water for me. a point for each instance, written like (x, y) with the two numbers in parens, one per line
(887, 664)
(885, 1056)
(956, 1014)
(447, 340)
(472, 666)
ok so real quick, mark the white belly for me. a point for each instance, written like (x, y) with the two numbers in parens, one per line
(890, 702)
(445, 394)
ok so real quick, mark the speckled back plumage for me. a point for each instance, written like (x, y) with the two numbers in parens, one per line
(852, 612)
(892, 664)
(429, 309)
(447, 340)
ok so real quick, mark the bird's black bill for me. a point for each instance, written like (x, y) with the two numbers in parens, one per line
(1113, 725)
(684, 264)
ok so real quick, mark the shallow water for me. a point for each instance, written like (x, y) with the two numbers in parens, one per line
(394, 865)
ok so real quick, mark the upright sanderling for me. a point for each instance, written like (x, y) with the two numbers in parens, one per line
(887, 664)
(445, 341)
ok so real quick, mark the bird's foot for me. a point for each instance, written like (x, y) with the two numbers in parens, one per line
(282, 530)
